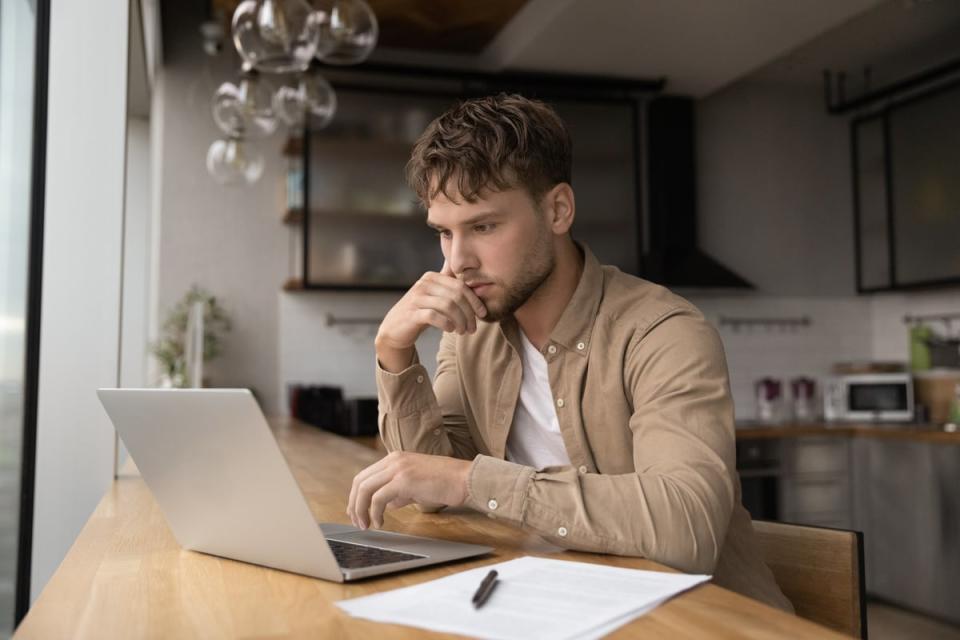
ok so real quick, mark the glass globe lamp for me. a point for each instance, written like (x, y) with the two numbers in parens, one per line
(233, 161)
(245, 108)
(276, 36)
(312, 98)
(348, 31)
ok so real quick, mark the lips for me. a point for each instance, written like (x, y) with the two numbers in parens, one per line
(477, 287)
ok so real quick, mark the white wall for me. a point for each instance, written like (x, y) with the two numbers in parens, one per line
(79, 333)
(227, 239)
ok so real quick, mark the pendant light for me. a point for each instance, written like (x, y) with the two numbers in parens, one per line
(348, 31)
(311, 98)
(233, 160)
(276, 36)
(245, 108)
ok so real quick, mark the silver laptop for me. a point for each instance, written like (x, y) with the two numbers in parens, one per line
(220, 479)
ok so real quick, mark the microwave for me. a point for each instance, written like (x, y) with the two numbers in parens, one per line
(869, 397)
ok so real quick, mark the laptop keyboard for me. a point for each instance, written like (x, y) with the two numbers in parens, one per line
(357, 556)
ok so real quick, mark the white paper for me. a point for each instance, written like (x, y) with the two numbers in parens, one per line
(534, 598)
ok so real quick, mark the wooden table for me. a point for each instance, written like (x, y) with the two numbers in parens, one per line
(126, 577)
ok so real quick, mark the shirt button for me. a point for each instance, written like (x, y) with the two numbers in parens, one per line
(492, 505)
(560, 402)
(581, 346)
(562, 532)
(436, 432)
(552, 349)
(582, 469)
(419, 379)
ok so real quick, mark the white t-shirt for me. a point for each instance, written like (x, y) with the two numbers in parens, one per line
(535, 439)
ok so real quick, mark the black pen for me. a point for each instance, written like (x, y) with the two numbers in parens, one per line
(485, 589)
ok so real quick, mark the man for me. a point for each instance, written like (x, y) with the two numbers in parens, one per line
(571, 399)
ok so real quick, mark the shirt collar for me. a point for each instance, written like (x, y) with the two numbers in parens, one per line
(575, 326)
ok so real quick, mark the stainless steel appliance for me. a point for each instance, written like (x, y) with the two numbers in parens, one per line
(884, 397)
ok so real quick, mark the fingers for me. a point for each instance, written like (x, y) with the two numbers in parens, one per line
(479, 308)
(383, 496)
(451, 303)
(463, 293)
(475, 303)
(440, 293)
(361, 477)
(365, 493)
(443, 314)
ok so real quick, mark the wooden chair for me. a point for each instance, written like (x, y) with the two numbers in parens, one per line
(820, 570)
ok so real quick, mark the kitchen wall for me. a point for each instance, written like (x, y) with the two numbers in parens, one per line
(774, 205)
(228, 240)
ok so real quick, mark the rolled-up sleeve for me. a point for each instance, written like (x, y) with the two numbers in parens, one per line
(676, 506)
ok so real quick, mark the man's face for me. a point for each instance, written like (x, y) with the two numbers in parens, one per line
(500, 246)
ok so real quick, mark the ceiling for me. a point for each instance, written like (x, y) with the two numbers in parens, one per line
(457, 26)
(462, 26)
(896, 39)
(698, 46)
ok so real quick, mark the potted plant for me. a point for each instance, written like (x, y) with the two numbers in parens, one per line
(169, 349)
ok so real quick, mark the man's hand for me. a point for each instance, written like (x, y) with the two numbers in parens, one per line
(403, 477)
(437, 299)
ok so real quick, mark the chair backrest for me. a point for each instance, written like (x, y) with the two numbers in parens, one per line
(820, 570)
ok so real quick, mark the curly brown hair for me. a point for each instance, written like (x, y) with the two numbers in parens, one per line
(497, 142)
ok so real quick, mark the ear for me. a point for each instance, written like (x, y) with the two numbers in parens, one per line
(560, 207)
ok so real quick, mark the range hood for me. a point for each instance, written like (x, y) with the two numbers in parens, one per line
(671, 254)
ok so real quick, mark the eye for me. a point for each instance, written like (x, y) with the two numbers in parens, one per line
(442, 234)
(484, 228)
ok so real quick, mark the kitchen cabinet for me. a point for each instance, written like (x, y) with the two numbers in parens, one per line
(815, 486)
(804, 480)
(908, 507)
(904, 174)
(899, 485)
(362, 227)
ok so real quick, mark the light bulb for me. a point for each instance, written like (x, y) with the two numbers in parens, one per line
(312, 98)
(232, 161)
(244, 109)
(276, 36)
(348, 31)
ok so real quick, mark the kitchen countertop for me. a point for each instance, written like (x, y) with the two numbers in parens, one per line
(754, 430)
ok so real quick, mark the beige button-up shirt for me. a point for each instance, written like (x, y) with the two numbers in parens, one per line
(642, 396)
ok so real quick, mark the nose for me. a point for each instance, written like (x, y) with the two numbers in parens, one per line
(461, 256)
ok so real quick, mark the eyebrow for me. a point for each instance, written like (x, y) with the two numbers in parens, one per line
(485, 215)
